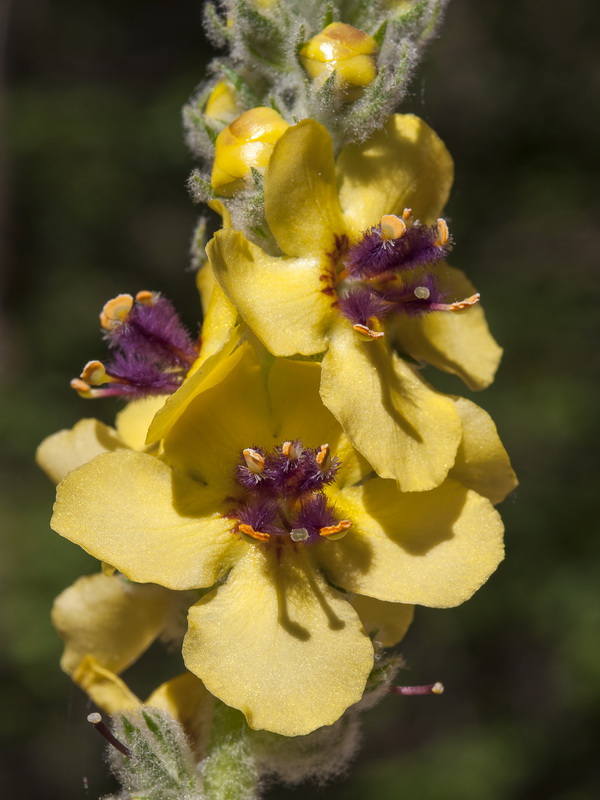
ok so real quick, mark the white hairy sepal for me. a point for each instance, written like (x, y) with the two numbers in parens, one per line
(161, 765)
(319, 756)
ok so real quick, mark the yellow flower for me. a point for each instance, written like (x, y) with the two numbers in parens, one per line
(261, 527)
(317, 211)
(62, 452)
(107, 623)
(341, 49)
(247, 142)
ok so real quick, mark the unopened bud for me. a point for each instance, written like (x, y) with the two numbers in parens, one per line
(343, 49)
(223, 105)
(246, 143)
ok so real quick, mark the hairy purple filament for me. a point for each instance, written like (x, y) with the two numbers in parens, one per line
(375, 255)
(151, 352)
(389, 276)
(154, 332)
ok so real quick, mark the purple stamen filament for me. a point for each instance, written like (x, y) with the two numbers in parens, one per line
(383, 274)
(96, 720)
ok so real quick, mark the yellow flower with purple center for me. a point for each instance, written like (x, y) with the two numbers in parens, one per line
(362, 254)
(260, 499)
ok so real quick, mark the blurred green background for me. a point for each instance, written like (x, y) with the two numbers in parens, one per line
(93, 202)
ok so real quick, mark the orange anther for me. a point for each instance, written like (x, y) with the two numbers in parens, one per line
(290, 450)
(392, 227)
(468, 301)
(324, 457)
(116, 311)
(254, 461)
(82, 388)
(94, 373)
(366, 333)
(332, 531)
(443, 232)
(146, 298)
(248, 530)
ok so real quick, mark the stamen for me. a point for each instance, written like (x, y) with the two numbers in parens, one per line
(299, 535)
(254, 461)
(367, 334)
(82, 388)
(323, 457)
(392, 227)
(248, 530)
(422, 292)
(95, 373)
(459, 305)
(431, 688)
(85, 391)
(291, 450)
(336, 531)
(116, 311)
(96, 720)
(147, 298)
(407, 216)
(443, 232)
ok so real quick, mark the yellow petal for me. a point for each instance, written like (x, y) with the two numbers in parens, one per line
(482, 463)
(403, 428)
(109, 618)
(205, 282)
(429, 548)
(404, 165)
(133, 422)
(281, 299)
(299, 413)
(209, 437)
(105, 689)
(219, 319)
(209, 374)
(301, 202)
(155, 526)
(277, 642)
(456, 342)
(187, 699)
(386, 623)
(63, 451)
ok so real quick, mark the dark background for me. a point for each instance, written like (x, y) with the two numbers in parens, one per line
(93, 202)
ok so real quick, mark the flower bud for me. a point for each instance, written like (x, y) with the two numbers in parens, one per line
(247, 142)
(223, 105)
(340, 48)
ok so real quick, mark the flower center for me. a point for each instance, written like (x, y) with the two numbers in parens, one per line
(283, 495)
(391, 270)
(151, 351)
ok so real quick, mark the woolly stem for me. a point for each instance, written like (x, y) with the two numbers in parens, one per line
(229, 770)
